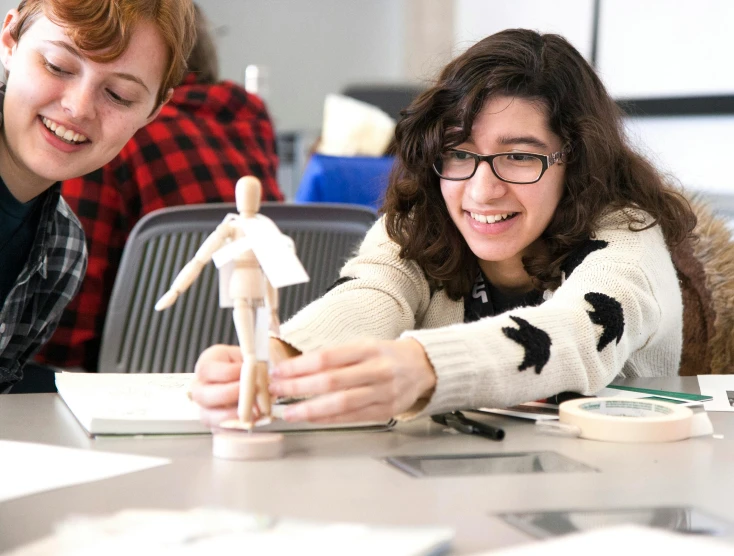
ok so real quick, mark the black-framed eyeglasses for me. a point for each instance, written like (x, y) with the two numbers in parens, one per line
(514, 167)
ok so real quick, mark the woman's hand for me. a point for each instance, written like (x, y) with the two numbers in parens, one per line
(216, 385)
(361, 381)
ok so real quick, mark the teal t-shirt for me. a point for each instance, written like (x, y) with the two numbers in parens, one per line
(18, 225)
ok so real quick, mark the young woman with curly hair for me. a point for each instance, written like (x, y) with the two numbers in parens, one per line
(524, 251)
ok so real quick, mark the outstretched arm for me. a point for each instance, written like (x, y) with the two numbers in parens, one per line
(193, 268)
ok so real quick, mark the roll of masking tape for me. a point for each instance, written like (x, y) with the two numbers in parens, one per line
(627, 419)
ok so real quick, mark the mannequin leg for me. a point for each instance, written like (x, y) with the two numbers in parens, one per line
(262, 352)
(244, 321)
(263, 394)
(246, 402)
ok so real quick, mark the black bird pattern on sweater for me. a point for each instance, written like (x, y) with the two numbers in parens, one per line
(536, 342)
(607, 313)
(577, 256)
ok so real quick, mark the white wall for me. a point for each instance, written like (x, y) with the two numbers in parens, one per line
(476, 19)
(656, 48)
(646, 48)
(6, 5)
(309, 48)
(659, 48)
(695, 150)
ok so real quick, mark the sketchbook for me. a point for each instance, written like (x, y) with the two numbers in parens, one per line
(132, 404)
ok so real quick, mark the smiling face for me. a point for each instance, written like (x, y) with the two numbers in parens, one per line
(65, 115)
(501, 222)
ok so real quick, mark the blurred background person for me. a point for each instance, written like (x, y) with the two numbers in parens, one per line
(209, 134)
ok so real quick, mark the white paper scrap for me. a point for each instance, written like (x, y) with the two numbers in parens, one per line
(719, 387)
(71, 466)
(275, 252)
(207, 531)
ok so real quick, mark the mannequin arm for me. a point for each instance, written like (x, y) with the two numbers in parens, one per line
(193, 268)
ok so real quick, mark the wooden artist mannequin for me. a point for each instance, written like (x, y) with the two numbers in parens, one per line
(249, 285)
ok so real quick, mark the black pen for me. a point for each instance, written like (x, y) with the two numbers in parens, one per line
(459, 422)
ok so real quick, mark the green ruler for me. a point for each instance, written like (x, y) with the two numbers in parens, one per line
(663, 393)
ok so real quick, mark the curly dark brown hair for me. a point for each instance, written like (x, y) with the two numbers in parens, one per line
(602, 170)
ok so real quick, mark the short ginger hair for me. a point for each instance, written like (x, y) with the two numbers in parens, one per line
(101, 29)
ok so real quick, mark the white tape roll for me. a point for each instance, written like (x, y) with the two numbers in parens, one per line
(627, 419)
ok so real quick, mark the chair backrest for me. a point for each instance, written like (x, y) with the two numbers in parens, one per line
(136, 339)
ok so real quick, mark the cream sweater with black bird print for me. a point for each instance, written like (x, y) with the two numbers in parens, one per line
(618, 312)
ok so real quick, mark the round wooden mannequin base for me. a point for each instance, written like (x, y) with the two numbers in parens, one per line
(247, 446)
(236, 424)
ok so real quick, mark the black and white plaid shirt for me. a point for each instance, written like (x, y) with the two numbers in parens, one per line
(49, 280)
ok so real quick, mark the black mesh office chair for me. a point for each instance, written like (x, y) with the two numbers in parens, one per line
(137, 339)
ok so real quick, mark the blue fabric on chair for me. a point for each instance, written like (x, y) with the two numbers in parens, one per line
(360, 180)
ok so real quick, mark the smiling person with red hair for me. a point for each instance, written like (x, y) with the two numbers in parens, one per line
(211, 133)
(82, 77)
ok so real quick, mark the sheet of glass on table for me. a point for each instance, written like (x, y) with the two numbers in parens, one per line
(681, 519)
(444, 465)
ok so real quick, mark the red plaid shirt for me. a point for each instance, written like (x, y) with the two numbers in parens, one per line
(204, 139)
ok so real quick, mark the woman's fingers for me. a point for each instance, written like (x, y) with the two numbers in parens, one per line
(371, 380)
(212, 417)
(324, 359)
(214, 394)
(220, 353)
(371, 413)
(333, 405)
(219, 364)
(361, 381)
(216, 383)
(362, 374)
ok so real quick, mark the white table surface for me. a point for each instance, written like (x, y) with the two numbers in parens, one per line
(342, 476)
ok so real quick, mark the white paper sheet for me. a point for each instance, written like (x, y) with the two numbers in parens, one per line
(275, 252)
(39, 467)
(721, 388)
(207, 531)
